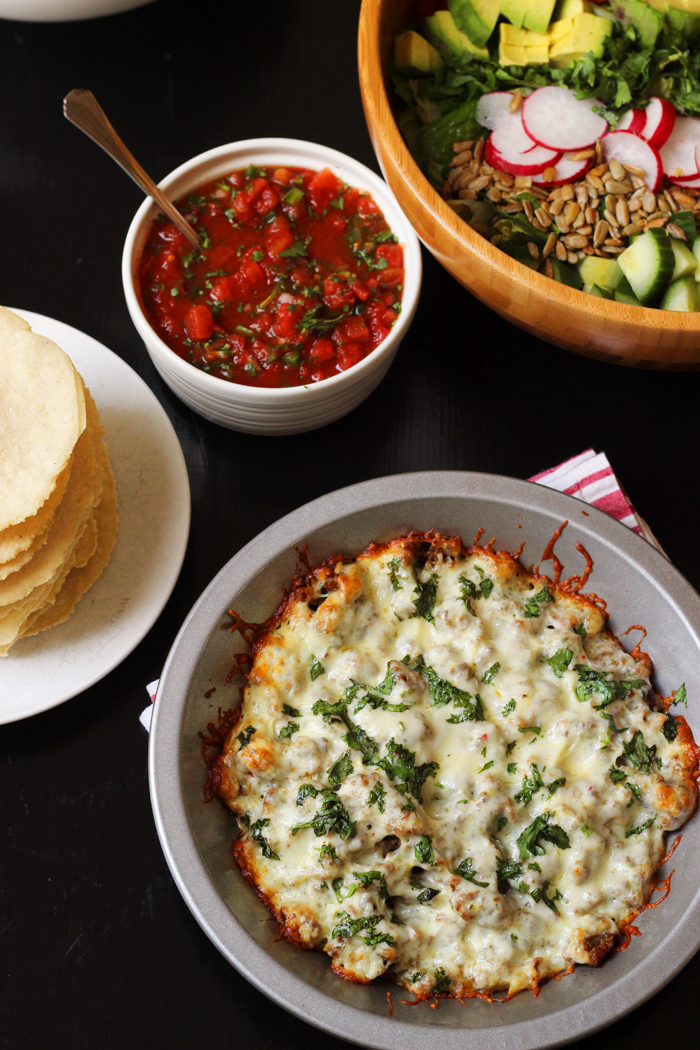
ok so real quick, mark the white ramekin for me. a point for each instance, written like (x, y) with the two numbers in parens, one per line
(64, 10)
(257, 410)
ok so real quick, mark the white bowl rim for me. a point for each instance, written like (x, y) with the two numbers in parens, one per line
(331, 157)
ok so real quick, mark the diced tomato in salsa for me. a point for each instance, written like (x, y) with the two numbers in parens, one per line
(299, 277)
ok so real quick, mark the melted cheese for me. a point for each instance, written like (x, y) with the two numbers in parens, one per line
(522, 837)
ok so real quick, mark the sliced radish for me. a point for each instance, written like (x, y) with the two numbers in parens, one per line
(658, 125)
(633, 120)
(685, 184)
(566, 170)
(554, 118)
(678, 152)
(630, 149)
(510, 149)
(491, 109)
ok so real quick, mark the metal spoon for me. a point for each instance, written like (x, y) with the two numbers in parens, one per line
(82, 109)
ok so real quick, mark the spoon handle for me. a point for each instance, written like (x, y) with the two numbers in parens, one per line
(82, 109)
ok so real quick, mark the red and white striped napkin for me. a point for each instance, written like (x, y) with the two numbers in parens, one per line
(588, 476)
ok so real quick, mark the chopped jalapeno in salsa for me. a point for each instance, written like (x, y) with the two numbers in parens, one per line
(299, 277)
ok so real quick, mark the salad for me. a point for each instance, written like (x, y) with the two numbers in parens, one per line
(567, 133)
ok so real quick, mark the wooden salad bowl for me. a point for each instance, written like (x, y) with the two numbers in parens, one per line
(599, 328)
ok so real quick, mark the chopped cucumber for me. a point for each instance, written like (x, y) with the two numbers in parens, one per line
(606, 273)
(565, 273)
(624, 293)
(685, 261)
(595, 289)
(682, 295)
(686, 221)
(648, 265)
(696, 253)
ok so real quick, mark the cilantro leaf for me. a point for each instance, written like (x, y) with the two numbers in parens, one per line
(560, 661)
(347, 927)
(316, 669)
(287, 732)
(424, 851)
(670, 728)
(292, 711)
(332, 817)
(377, 796)
(680, 695)
(245, 735)
(443, 982)
(366, 878)
(296, 250)
(489, 675)
(639, 754)
(306, 791)
(256, 831)
(341, 768)
(426, 596)
(531, 607)
(531, 784)
(394, 578)
(400, 765)
(540, 895)
(508, 869)
(590, 681)
(466, 870)
(640, 828)
(529, 840)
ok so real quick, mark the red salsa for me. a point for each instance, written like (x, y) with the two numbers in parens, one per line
(298, 279)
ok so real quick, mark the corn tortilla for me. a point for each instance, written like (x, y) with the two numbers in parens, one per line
(82, 493)
(42, 416)
(81, 578)
(17, 539)
(12, 621)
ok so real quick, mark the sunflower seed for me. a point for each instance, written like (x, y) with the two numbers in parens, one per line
(549, 246)
(676, 231)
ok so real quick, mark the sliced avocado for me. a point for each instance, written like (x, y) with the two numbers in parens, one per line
(514, 11)
(414, 56)
(636, 13)
(476, 18)
(691, 6)
(521, 47)
(569, 8)
(442, 32)
(560, 29)
(587, 35)
(538, 15)
(624, 293)
(565, 273)
(684, 22)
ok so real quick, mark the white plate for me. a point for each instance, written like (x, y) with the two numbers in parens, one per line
(154, 522)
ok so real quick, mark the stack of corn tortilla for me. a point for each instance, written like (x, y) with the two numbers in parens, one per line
(58, 504)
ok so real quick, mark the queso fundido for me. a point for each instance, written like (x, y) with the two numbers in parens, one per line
(299, 277)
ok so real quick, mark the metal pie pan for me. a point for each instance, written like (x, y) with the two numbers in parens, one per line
(640, 585)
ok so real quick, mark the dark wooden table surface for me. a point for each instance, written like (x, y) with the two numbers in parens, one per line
(97, 949)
